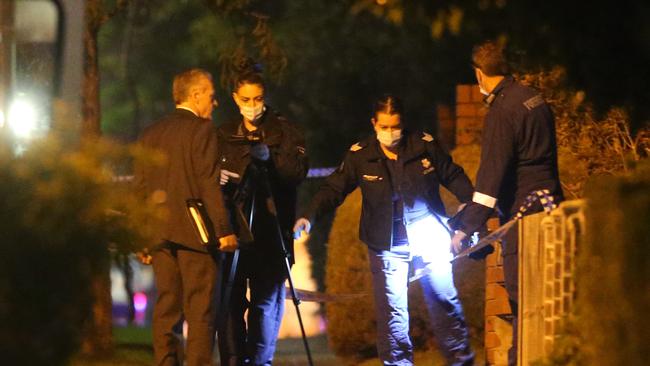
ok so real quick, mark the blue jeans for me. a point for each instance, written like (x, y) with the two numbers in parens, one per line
(427, 248)
(252, 341)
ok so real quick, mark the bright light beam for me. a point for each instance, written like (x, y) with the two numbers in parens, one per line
(22, 118)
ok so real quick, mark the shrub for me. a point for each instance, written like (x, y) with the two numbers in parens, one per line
(61, 212)
(614, 271)
(350, 324)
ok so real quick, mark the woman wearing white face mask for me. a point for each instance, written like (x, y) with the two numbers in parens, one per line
(279, 146)
(399, 173)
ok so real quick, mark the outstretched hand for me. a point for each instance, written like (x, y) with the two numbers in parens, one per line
(225, 176)
(302, 224)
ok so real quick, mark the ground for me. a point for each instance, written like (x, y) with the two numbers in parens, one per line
(133, 348)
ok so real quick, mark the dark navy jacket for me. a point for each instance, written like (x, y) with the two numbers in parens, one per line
(424, 165)
(518, 154)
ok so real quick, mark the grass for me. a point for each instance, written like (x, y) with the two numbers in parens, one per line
(132, 348)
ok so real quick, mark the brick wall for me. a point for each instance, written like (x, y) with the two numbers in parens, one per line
(469, 114)
(446, 126)
(498, 316)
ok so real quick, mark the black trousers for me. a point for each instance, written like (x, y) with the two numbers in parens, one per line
(186, 281)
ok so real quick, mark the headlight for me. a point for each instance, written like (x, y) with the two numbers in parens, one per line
(22, 117)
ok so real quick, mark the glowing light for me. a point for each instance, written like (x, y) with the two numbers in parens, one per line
(22, 118)
(381, 2)
(139, 301)
(430, 239)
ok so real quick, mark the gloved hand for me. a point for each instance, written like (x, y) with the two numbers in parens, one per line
(260, 152)
(226, 175)
(485, 251)
(301, 224)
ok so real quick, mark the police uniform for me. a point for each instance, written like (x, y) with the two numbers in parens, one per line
(262, 264)
(402, 224)
(518, 156)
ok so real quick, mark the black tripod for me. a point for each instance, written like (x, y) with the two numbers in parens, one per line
(255, 178)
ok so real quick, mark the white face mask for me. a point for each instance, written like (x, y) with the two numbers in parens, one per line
(389, 138)
(252, 113)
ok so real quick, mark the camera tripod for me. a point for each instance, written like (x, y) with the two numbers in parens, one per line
(254, 179)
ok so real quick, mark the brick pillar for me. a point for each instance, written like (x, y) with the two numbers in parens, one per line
(469, 114)
(498, 316)
(446, 126)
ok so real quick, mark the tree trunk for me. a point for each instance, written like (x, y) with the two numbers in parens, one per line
(98, 338)
(90, 125)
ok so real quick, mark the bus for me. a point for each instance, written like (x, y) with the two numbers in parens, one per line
(41, 65)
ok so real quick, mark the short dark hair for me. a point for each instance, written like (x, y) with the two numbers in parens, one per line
(388, 104)
(185, 81)
(248, 72)
(490, 58)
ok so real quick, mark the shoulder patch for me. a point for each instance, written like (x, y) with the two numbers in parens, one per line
(426, 137)
(356, 147)
(533, 102)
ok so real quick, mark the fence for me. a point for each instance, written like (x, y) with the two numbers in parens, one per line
(547, 253)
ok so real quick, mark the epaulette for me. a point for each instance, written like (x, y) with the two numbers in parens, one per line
(534, 102)
(356, 147)
(426, 137)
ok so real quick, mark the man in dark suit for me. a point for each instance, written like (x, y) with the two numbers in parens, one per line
(184, 268)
